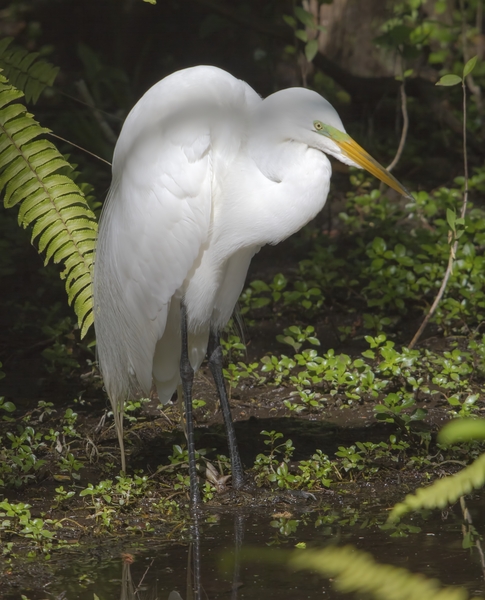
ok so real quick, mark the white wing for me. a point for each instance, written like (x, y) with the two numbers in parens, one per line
(157, 216)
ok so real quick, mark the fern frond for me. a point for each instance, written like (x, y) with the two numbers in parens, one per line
(356, 571)
(25, 70)
(443, 491)
(49, 201)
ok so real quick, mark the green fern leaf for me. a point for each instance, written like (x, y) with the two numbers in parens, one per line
(462, 430)
(9, 94)
(352, 570)
(25, 70)
(443, 491)
(49, 201)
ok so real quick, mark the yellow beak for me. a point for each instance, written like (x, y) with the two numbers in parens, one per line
(356, 153)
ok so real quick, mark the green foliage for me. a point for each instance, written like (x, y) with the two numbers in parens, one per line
(26, 70)
(62, 496)
(241, 370)
(304, 295)
(8, 408)
(315, 473)
(273, 467)
(397, 378)
(108, 496)
(232, 346)
(121, 492)
(295, 337)
(16, 518)
(415, 31)
(132, 407)
(448, 489)
(354, 571)
(20, 461)
(307, 34)
(24, 450)
(320, 471)
(36, 177)
(260, 293)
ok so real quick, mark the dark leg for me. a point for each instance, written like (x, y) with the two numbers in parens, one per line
(238, 539)
(187, 375)
(196, 583)
(215, 364)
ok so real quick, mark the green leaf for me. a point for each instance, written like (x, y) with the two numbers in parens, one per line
(311, 50)
(305, 17)
(379, 245)
(395, 37)
(302, 35)
(449, 80)
(451, 218)
(470, 65)
(289, 20)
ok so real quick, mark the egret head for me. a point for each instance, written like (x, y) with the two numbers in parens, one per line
(305, 116)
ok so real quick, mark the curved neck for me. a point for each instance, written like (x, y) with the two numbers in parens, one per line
(275, 190)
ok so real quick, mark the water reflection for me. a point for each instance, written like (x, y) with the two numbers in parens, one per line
(191, 569)
(194, 589)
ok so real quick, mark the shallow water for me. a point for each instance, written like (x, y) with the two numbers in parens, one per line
(144, 569)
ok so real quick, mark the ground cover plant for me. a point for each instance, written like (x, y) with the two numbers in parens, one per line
(405, 389)
(323, 335)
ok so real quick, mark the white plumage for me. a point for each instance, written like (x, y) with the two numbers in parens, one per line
(205, 172)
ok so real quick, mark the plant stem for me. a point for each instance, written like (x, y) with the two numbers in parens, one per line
(405, 126)
(454, 245)
(466, 528)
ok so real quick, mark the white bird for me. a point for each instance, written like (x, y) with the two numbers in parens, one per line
(205, 173)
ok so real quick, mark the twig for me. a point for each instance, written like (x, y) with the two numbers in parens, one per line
(110, 116)
(472, 86)
(454, 246)
(467, 527)
(405, 127)
(108, 133)
(437, 300)
(143, 576)
(72, 521)
(79, 147)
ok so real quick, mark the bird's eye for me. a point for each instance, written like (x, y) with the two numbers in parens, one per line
(318, 125)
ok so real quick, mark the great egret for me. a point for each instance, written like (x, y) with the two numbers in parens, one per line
(205, 173)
